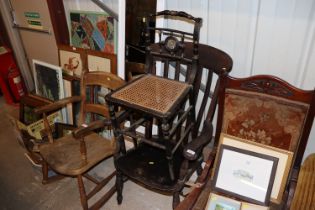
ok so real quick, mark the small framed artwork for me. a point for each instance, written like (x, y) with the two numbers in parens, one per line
(250, 206)
(48, 80)
(218, 202)
(245, 174)
(100, 61)
(284, 161)
(27, 105)
(72, 60)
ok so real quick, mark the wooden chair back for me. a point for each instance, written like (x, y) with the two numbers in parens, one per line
(92, 82)
(170, 47)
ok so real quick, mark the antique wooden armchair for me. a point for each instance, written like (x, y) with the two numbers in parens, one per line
(74, 155)
(266, 110)
(147, 164)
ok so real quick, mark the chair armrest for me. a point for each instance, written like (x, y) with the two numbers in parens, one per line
(57, 105)
(202, 183)
(84, 129)
(193, 149)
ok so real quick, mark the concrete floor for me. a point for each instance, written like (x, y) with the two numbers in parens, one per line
(21, 188)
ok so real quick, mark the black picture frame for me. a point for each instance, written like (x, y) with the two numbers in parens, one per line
(239, 171)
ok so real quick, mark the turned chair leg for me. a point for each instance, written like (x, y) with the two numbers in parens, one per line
(82, 193)
(45, 172)
(176, 199)
(119, 186)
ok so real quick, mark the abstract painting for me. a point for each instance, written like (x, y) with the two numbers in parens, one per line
(93, 30)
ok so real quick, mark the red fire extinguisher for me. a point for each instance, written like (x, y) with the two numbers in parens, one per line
(16, 83)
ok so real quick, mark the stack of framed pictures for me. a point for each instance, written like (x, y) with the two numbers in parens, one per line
(57, 82)
(250, 171)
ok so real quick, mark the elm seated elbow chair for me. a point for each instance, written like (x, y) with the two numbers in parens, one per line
(261, 110)
(74, 155)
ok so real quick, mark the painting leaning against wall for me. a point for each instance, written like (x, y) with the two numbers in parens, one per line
(93, 30)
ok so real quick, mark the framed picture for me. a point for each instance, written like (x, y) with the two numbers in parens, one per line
(48, 80)
(250, 206)
(284, 161)
(27, 105)
(93, 30)
(72, 60)
(245, 174)
(218, 202)
(100, 61)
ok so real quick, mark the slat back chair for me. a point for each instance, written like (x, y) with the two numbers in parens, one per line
(74, 155)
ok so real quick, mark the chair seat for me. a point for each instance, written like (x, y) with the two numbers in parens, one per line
(149, 166)
(304, 197)
(65, 158)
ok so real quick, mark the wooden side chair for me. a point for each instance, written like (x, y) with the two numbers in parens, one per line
(74, 155)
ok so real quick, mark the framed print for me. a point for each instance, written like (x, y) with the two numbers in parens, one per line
(93, 30)
(27, 105)
(71, 60)
(48, 80)
(218, 202)
(100, 61)
(284, 161)
(245, 174)
(250, 206)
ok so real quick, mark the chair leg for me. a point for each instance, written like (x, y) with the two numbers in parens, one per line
(199, 170)
(82, 193)
(119, 186)
(45, 172)
(176, 199)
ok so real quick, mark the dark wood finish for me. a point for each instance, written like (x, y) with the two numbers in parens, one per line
(59, 22)
(164, 162)
(74, 155)
(151, 88)
(278, 89)
(136, 13)
(134, 69)
(172, 47)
